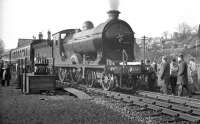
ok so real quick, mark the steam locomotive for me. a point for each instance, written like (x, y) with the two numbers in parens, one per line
(101, 55)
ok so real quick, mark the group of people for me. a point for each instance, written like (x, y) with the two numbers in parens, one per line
(176, 76)
(5, 75)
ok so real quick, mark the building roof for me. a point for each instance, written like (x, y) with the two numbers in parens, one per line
(24, 42)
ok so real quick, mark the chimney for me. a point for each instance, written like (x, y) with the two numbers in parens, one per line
(40, 36)
(113, 14)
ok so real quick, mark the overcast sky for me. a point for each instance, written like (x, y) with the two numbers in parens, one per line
(25, 18)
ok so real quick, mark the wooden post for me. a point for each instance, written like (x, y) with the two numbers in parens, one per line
(144, 47)
(83, 73)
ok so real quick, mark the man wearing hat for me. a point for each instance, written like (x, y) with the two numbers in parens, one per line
(3, 76)
(165, 75)
(182, 77)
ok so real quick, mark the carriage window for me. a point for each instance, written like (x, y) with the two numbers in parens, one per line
(62, 36)
(56, 42)
(24, 52)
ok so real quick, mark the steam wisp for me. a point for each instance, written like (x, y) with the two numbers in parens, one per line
(114, 4)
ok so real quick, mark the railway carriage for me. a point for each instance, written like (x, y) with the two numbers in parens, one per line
(19, 58)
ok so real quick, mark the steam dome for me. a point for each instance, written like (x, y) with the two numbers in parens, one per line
(87, 25)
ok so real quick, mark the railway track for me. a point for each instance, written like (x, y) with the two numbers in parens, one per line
(178, 108)
(170, 98)
(177, 111)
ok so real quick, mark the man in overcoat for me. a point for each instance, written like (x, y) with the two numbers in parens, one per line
(8, 76)
(165, 75)
(1, 74)
(182, 77)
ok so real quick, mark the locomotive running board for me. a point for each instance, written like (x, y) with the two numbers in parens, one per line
(81, 65)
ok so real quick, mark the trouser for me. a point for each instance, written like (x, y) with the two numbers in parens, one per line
(180, 89)
(2, 82)
(173, 80)
(19, 84)
(8, 82)
(195, 81)
(165, 86)
(152, 84)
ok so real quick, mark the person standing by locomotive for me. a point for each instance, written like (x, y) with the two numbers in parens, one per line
(192, 74)
(3, 77)
(165, 75)
(152, 79)
(182, 78)
(143, 70)
(7, 75)
(142, 66)
(148, 73)
(154, 66)
(173, 75)
(155, 74)
(1, 74)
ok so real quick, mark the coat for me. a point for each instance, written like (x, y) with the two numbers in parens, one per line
(8, 74)
(173, 69)
(164, 74)
(1, 73)
(182, 77)
(165, 71)
(154, 66)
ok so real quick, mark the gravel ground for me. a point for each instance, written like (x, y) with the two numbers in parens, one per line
(17, 108)
(127, 110)
(133, 112)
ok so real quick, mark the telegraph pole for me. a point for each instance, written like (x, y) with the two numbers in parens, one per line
(144, 47)
(162, 42)
(197, 41)
(196, 49)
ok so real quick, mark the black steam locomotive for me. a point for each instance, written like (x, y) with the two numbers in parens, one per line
(102, 55)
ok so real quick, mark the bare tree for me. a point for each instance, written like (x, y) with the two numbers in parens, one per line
(198, 31)
(165, 34)
(184, 29)
(195, 29)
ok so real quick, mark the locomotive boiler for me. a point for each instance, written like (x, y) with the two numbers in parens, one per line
(102, 43)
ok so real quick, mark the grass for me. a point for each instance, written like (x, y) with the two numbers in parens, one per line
(17, 108)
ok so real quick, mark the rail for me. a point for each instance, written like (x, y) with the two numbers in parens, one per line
(184, 112)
